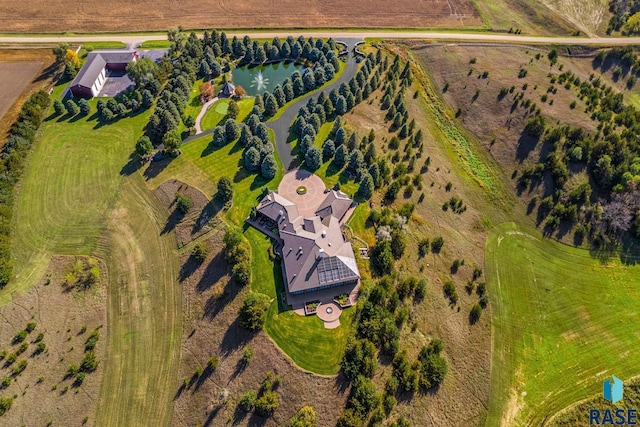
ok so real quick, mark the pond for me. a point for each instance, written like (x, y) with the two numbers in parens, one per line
(256, 80)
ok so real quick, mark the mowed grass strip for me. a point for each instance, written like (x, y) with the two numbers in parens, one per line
(562, 323)
(70, 183)
(145, 312)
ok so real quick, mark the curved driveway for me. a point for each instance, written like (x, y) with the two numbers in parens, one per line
(282, 124)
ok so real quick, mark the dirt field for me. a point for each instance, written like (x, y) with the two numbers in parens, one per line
(60, 314)
(14, 76)
(21, 72)
(121, 15)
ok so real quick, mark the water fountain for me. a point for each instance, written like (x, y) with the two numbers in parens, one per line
(259, 82)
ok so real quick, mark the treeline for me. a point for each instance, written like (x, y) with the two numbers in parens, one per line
(19, 140)
(607, 205)
(382, 313)
(624, 17)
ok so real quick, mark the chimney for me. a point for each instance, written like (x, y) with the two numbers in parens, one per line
(321, 254)
(324, 234)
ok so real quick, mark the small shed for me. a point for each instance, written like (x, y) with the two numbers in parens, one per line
(228, 90)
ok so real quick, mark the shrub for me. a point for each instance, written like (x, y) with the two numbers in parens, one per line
(200, 251)
(92, 340)
(212, 363)
(20, 336)
(79, 379)
(247, 355)
(305, 417)
(248, 400)
(253, 312)
(475, 313)
(30, 327)
(450, 292)
(535, 126)
(19, 368)
(436, 245)
(382, 258)
(6, 382)
(5, 404)
(349, 418)
(267, 404)
(89, 362)
(183, 203)
(241, 272)
(423, 247)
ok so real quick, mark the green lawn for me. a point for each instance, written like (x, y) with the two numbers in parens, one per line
(562, 323)
(104, 45)
(202, 165)
(155, 44)
(68, 187)
(218, 111)
(303, 338)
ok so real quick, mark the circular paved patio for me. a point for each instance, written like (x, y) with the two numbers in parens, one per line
(329, 314)
(309, 202)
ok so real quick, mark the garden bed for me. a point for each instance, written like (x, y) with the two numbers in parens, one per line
(343, 300)
(311, 307)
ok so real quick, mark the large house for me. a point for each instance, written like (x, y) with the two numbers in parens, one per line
(314, 252)
(91, 78)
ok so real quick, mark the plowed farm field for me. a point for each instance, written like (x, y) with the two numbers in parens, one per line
(14, 77)
(125, 15)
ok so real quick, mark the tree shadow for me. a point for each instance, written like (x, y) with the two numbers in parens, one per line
(132, 166)
(215, 270)
(173, 220)
(526, 145)
(213, 414)
(155, 167)
(342, 383)
(208, 212)
(234, 338)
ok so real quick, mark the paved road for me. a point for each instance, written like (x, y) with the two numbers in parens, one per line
(281, 125)
(341, 35)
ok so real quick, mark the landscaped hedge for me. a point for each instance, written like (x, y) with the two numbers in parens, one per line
(16, 148)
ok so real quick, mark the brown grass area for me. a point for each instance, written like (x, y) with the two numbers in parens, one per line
(60, 314)
(121, 15)
(462, 398)
(492, 120)
(211, 328)
(200, 219)
(21, 73)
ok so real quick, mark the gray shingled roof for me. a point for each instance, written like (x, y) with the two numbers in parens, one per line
(96, 61)
(314, 252)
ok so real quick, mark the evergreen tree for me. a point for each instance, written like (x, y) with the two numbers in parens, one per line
(340, 136)
(72, 107)
(269, 167)
(270, 105)
(58, 107)
(219, 136)
(252, 159)
(143, 146)
(233, 110)
(231, 130)
(328, 150)
(341, 105)
(366, 188)
(341, 156)
(313, 158)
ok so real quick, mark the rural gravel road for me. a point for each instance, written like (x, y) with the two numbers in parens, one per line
(389, 34)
